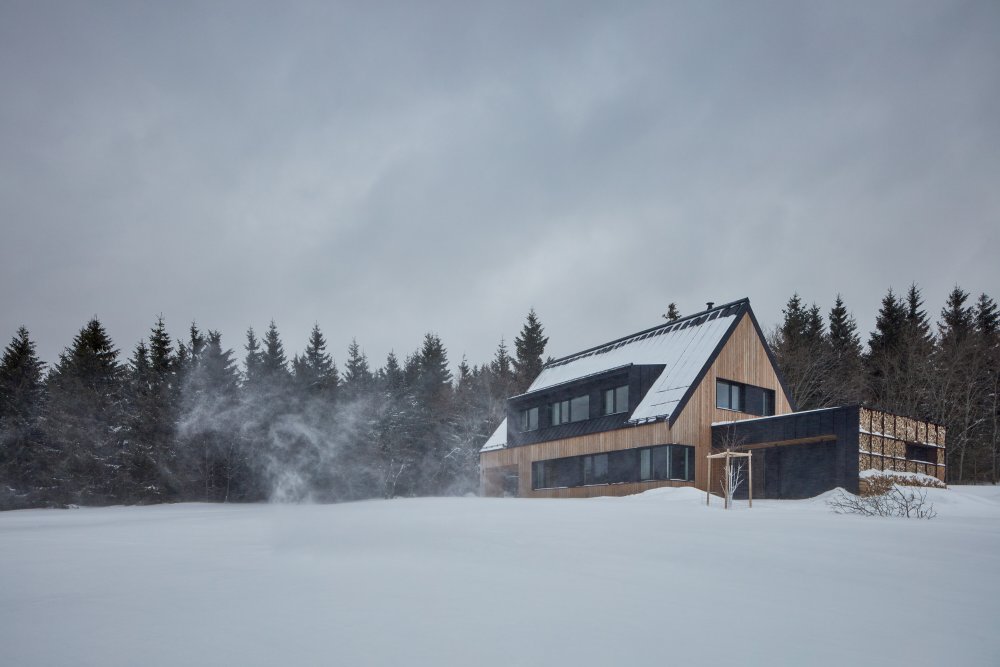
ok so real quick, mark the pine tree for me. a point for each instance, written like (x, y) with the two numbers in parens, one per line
(215, 465)
(502, 372)
(987, 435)
(884, 361)
(801, 349)
(529, 348)
(672, 314)
(86, 418)
(956, 391)
(152, 404)
(358, 377)
(316, 375)
(844, 385)
(254, 359)
(26, 462)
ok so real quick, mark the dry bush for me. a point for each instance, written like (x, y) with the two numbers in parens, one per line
(898, 501)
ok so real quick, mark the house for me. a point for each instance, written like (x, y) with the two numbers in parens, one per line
(645, 411)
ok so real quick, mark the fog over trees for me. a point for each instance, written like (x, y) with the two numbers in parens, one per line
(194, 420)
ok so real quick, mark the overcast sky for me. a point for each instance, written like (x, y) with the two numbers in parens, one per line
(388, 169)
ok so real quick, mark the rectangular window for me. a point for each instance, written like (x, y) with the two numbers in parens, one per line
(916, 452)
(728, 395)
(529, 419)
(768, 402)
(665, 462)
(559, 412)
(616, 400)
(679, 463)
(595, 469)
(573, 410)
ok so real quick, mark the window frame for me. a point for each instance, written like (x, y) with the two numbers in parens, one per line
(616, 398)
(730, 386)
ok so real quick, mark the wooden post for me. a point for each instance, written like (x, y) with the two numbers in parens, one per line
(750, 487)
(708, 480)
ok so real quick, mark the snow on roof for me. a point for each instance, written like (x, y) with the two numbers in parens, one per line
(682, 347)
(498, 440)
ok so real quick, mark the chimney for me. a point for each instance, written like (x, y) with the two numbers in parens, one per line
(709, 305)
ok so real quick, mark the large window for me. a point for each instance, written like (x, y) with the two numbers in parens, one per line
(595, 469)
(661, 463)
(573, 410)
(529, 419)
(669, 462)
(728, 395)
(747, 398)
(616, 400)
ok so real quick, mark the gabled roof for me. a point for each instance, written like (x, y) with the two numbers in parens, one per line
(686, 348)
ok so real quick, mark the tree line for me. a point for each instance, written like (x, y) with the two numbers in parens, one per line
(184, 421)
(947, 372)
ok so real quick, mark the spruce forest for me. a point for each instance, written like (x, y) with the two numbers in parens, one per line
(193, 420)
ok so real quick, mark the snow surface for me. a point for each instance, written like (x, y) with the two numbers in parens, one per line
(651, 579)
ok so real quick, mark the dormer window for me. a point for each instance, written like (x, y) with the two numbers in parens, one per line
(529, 419)
(616, 400)
(572, 410)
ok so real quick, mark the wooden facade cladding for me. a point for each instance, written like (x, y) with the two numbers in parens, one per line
(883, 440)
(743, 358)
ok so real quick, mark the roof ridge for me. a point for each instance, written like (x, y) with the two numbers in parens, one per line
(680, 323)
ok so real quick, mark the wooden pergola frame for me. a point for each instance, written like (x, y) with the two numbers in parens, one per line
(729, 455)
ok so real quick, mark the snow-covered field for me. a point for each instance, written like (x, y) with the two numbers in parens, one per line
(647, 580)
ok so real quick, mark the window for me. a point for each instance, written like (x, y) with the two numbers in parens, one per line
(616, 400)
(574, 410)
(665, 462)
(728, 395)
(595, 469)
(916, 452)
(529, 419)
(768, 403)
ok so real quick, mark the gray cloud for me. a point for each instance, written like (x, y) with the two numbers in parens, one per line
(390, 169)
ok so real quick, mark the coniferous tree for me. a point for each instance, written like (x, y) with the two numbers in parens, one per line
(436, 449)
(152, 402)
(210, 427)
(529, 349)
(883, 363)
(801, 349)
(955, 391)
(358, 377)
(844, 385)
(987, 435)
(672, 314)
(26, 462)
(86, 418)
(316, 375)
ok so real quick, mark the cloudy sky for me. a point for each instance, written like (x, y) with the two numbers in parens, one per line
(388, 169)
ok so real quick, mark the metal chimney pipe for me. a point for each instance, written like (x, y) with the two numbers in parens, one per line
(709, 304)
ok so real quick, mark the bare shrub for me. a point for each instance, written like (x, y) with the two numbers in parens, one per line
(878, 485)
(898, 501)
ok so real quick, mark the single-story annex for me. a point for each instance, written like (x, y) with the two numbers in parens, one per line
(645, 410)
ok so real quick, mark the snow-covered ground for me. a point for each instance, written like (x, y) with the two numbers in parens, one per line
(646, 580)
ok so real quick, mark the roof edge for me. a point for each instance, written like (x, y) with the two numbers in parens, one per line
(745, 301)
(681, 404)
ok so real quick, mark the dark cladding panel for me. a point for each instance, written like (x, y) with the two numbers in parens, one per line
(806, 469)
